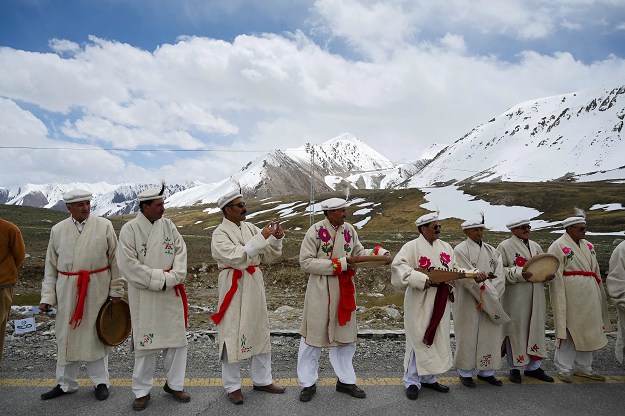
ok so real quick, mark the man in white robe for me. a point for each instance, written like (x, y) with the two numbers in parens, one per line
(525, 304)
(330, 304)
(239, 247)
(615, 283)
(426, 306)
(80, 274)
(580, 309)
(152, 257)
(477, 311)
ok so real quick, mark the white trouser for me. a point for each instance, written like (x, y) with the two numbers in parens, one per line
(340, 358)
(531, 366)
(566, 359)
(412, 377)
(98, 371)
(483, 373)
(174, 363)
(260, 371)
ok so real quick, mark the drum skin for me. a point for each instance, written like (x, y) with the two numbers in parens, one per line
(541, 266)
(113, 323)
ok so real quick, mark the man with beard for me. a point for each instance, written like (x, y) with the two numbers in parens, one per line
(153, 258)
(330, 304)
(242, 322)
(477, 310)
(615, 283)
(80, 274)
(524, 302)
(426, 306)
(580, 309)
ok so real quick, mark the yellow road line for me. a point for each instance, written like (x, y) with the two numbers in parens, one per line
(287, 382)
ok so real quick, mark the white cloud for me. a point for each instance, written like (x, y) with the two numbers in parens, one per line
(570, 26)
(63, 45)
(620, 26)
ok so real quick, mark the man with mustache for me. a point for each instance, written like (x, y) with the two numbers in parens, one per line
(426, 306)
(580, 309)
(153, 258)
(330, 303)
(615, 284)
(242, 322)
(524, 302)
(80, 274)
(477, 311)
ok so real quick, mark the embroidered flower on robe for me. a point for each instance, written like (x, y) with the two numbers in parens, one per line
(424, 262)
(323, 234)
(569, 253)
(168, 246)
(591, 248)
(520, 260)
(445, 259)
(348, 236)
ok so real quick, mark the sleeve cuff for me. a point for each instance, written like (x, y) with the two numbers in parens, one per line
(250, 250)
(114, 294)
(274, 241)
(157, 280)
(337, 267)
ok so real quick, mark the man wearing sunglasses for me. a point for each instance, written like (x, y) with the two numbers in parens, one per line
(426, 307)
(242, 322)
(525, 304)
(478, 314)
(580, 309)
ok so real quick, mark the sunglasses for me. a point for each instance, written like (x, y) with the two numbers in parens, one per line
(436, 227)
(524, 227)
(240, 205)
(580, 228)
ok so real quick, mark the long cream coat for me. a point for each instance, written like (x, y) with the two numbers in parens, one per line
(579, 303)
(320, 325)
(615, 283)
(478, 331)
(524, 302)
(244, 328)
(71, 251)
(145, 251)
(419, 303)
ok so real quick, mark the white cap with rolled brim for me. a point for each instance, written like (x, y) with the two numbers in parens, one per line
(227, 198)
(333, 203)
(76, 195)
(427, 218)
(517, 222)
(473, 224)
(573, 221)
(150, 194)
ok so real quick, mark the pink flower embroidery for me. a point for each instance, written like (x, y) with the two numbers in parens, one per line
(590, 247)
(323, 234)
(567, 250)
(445, 258)
(347, 236)
(424, 262)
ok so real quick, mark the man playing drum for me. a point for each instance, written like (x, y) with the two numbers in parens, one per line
(152, 257)
(80, 274)
(580, 309)
(615, 283)
(525, 304)
(478, 315)
(330, 303)
(426, 306)
(239, 247)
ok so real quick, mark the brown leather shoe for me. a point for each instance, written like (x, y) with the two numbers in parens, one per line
(181, 396)
(236, 397)
(307, 392)
(141, 403)
(272, 388)
(351, 389)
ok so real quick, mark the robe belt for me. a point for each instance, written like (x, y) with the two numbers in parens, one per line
(582, 273)
(347, 302)
(180, 292)
(440, 303)
(233, 289)
(83, 281)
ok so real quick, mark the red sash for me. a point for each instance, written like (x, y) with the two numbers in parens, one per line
(440, 303)
(233, 289)
(180, 292)
(347, 302)
(581, 273)
(83, 281)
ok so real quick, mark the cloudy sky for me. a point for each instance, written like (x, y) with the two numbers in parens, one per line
(241, 76)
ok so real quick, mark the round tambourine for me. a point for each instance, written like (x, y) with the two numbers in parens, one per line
(113, 323)
(541, 266)
(368, 261)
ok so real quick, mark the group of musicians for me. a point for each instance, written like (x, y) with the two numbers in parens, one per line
(499, 309)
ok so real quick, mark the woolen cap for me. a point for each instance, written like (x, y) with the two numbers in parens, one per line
(76, 196)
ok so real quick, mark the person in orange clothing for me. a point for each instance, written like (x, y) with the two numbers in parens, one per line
(12, 254)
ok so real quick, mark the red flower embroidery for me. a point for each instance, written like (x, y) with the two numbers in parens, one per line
(424, 262)
(520, 261)
(445, 258)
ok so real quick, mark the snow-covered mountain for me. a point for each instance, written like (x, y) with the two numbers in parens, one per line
(574, 136)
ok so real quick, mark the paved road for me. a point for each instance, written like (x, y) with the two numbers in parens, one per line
(19, 395)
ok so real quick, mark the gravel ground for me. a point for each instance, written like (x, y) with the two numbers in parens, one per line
(379, 353)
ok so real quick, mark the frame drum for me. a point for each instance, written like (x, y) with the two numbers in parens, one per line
(541, 266)
(113, 323)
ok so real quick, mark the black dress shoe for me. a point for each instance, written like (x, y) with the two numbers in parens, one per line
(436, 386)
(307, 392)
(539, 373)
(492, 380)
(515, 376)
(351, 389)
(467, 381)
(412, 392)
(55, 392)
(101, 392)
